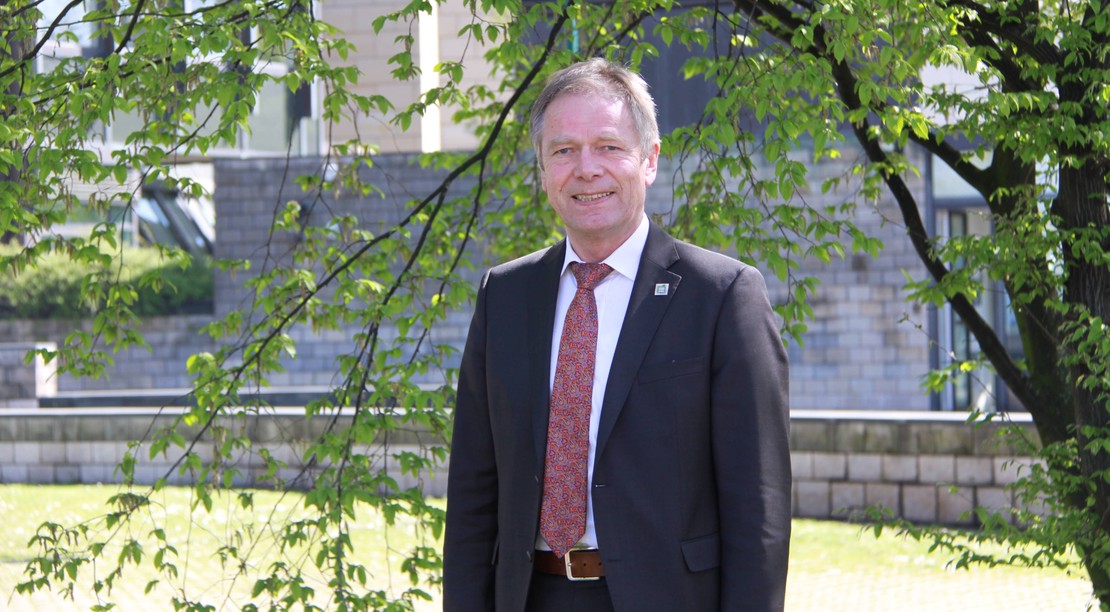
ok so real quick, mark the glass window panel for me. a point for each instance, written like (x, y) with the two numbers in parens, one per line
(948, 185)
(153, 226)
(306, 136)
(123, 125)
(269, 123)
(192, 5)
(207, 117)
(72, 21)
(975, 389)
(47, 63)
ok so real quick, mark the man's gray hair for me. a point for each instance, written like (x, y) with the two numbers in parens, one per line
(600, 77)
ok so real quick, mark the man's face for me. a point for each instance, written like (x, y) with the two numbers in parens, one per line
(594, 173)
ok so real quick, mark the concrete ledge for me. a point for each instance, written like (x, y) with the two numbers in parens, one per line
(86, 445)
(927, 467)
(905, 432)
(176, 397)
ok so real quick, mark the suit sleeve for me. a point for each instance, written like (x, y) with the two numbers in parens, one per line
(471, 532)
(751, 447)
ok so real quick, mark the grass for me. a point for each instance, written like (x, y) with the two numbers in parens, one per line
(220, 554)
(837, 567)
(833, 565)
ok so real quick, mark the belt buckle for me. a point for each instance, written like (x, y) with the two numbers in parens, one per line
(570, 572)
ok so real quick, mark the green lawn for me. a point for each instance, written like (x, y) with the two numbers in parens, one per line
(202, 575)
(833, 565)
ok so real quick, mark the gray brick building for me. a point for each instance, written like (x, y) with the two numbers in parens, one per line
(867, 347)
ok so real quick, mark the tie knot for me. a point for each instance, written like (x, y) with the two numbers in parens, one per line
(589, 274)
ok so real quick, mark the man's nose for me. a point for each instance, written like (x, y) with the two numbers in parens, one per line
(589, 164)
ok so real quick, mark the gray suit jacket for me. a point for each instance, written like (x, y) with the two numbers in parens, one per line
(691, 485)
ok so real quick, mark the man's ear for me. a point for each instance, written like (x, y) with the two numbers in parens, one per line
(651, 165)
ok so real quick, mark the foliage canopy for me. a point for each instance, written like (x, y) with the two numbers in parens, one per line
(825, 78)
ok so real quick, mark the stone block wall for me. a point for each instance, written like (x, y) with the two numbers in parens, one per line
(86, 445)
(925, 467)
(22, 383)
(866, 347)
(162, 367)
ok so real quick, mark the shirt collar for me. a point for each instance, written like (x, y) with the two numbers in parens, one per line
(626, 259)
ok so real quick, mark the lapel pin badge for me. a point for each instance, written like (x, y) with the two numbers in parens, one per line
(662, 289)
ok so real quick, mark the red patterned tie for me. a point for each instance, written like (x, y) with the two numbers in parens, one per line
(563, 513)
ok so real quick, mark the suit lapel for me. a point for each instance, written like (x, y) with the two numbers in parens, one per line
(646, 307)
(541, 323)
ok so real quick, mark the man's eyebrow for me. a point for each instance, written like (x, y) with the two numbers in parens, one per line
(604, 137)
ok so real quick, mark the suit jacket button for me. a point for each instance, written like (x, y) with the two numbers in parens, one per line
(529, 554)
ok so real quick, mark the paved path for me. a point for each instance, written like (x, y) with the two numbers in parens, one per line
(978, 591)
(830, 591)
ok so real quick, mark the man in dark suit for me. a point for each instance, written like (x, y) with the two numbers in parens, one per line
(625, 423)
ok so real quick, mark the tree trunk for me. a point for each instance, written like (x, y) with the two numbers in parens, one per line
(1082, 206)
(19, 46)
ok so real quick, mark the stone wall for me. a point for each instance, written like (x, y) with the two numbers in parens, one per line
(926, 467)
(865, 348)
(85, 446)
(172, 340)
(843, 462)
(22, 382)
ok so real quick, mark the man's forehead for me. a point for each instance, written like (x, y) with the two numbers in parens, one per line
(602, 133)
(581, 96)
(574, 119)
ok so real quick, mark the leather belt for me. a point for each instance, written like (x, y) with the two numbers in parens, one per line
(577, 565)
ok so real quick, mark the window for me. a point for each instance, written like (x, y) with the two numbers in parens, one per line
(72, 21)
(281, 120)
(163, 216)
(958, 211)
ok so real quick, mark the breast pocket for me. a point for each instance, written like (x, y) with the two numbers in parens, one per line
(673, 369)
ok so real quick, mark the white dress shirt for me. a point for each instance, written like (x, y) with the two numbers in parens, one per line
(611, 295)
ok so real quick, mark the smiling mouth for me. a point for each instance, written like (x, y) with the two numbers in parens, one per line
(593, 196)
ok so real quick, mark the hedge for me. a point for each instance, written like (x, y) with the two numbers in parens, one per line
(52, 289)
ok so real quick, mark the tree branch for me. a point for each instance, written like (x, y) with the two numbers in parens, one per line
(435, 195)
(846, 83)
(23, 9)
(953, 158)
(993, 21)
(785, 20)
(42, 41)
(988, 340)
(1000, 60)
(130, 27)
(1100, 34)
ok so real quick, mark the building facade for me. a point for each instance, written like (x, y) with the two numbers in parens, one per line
(867, 347)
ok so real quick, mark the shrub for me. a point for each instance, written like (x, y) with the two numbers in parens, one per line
(53, 288)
